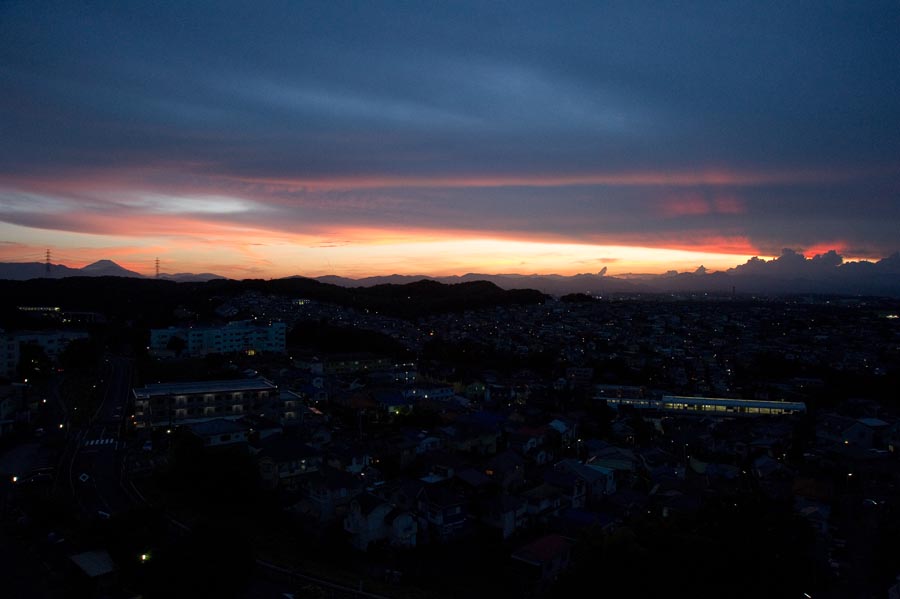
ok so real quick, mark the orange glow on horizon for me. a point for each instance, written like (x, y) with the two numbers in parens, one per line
(244, 227)
(359, 252)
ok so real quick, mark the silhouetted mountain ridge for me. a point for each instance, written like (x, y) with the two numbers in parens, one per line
(790, 273)
(23, 271)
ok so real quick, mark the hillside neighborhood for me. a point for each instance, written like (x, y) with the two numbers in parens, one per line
(524, 449)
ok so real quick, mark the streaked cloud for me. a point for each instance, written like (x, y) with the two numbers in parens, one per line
(293, 134)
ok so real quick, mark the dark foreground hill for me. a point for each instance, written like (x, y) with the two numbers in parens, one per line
(152, 301)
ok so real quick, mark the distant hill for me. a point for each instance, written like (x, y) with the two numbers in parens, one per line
(151, 302)
(187, 277)
(106, 268)
(790, 273)
(595, 284)
(23, 271)
(16, 271)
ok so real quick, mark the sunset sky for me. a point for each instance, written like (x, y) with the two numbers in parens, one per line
(275, 138)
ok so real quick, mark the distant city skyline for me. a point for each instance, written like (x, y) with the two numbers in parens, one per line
(441, 139)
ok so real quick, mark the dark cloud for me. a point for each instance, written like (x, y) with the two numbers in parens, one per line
(828, 269)
(268, 102)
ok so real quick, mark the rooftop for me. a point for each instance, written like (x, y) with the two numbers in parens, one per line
(195, 387)
(94, 563)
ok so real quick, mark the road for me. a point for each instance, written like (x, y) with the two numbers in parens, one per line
(95, 466)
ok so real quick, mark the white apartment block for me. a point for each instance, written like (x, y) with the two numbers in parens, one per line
(240, 336)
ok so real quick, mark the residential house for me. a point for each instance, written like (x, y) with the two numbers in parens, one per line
(283, 460)
(676, 502)
(310, 393)
(395, 452)
(328, 492)
(441, 466)
(544, 501)
(572, 487)
(867, 433)
(724, 478)
(221, 433)
(467, 438)
(402, 493)
(393, 402)
(507, 469)
(565, 431)
(526, 439)
(420, 391)
(370, 519)
(773, 477)
(545, 559)
(296, 407)
(317, 435)
(402, 528)
(620, 460)
(831, 429)
(260, 427)
(599, 481)
(443, 511)
(348, 456)
(507, 514)
(473, 483)
(424, 441)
